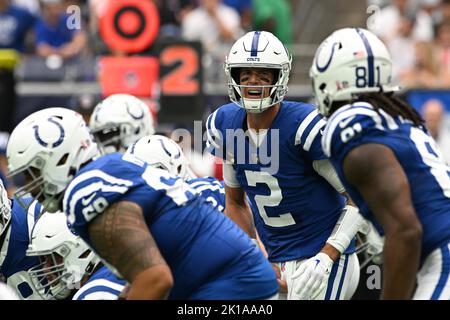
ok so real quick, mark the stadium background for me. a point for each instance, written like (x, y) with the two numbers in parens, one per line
(140, 47)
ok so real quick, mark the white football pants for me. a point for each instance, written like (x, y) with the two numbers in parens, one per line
(433, 280)
(342, 283)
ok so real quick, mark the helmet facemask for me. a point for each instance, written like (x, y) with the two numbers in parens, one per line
(109, 139)
(260, 103)
(37, 188)
(5, 210)
(55, 277)
(258, 50)
(66, 260)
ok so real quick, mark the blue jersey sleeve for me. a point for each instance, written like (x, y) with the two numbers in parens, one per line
(310, 125)
(215, 138)
(89, 194)
(102, 285)
(211, 189)
(354, 125)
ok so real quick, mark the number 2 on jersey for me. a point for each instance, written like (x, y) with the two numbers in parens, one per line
(271, 200)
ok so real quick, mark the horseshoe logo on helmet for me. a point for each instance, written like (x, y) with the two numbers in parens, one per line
(57, 142)
(325, 67)
(136, 117)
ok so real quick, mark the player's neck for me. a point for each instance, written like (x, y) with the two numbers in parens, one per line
(263, 120)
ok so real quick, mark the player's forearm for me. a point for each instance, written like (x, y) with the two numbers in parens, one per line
(152, 284)
(344, 231)
(401, 262)
(242, 216)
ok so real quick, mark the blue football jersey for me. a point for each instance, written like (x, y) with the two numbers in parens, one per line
(417, 153)
(102, 285)
(209, 256)
(14, 263)
(211, 189)
(294, 208)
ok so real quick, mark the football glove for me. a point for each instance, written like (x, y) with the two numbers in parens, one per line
(312, 276)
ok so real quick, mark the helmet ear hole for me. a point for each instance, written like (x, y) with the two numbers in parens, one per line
(84, 254)
(322, 86)
(179, 169)
(63, 160)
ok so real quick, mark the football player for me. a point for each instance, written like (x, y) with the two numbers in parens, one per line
(120, 120)
(164, 153)
(152, 228)
(271, 151)
(15, 230)
(68, 268)
(387, 161)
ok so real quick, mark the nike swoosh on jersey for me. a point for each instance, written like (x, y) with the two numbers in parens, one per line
(86, 201)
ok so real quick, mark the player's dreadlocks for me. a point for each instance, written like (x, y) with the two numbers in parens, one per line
(389, 103)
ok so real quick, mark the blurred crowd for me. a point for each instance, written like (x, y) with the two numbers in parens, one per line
(417, 34)
(39, 26)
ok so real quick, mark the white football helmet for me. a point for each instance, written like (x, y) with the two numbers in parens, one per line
(369, 244)
(49, 147)
(164, 153)
(349, 62)
(258, 49)
(120, 120)
(65, 258)
(5, 209)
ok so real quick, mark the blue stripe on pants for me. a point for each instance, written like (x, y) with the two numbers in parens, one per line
(344, 271)
(444, 273)
(331, 280)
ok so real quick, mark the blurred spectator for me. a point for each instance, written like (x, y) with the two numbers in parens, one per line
(15, 22)
(402, 48)
(430, 6)
(273, 16)
(443, 52)
(31, 5)
(54, 35)
(97, 8)
(245, 9)
(438, 124)
(213, 23)
(216, 26)
(442, 14)
(388, 22)
(171, 13)
(424, 73)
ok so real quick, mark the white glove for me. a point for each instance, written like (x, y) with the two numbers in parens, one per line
(312, 276)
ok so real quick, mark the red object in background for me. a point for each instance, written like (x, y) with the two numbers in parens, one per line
(218, 173)
(133, 75)
(129, 26)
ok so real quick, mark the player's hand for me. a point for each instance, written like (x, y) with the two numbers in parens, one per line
(312, 276)
(280, 279)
